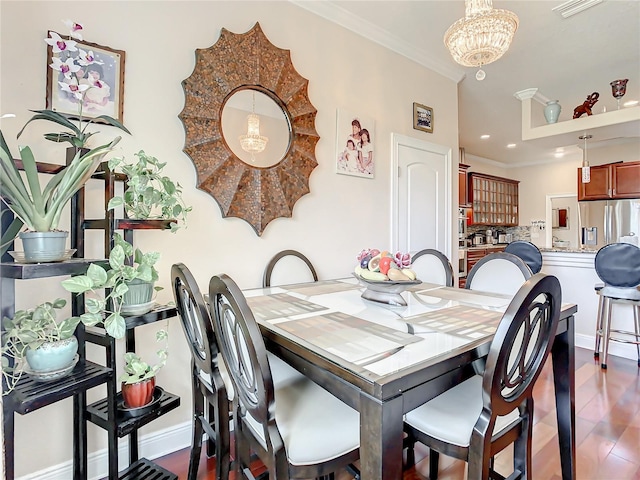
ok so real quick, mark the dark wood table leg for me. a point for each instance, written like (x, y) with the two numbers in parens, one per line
(381, 436)
(564, 368)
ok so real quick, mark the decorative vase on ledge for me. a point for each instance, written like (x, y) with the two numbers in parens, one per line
(552, 111)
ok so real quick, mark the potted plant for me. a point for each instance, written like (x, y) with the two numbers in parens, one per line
(127, 269)
(40, 209)
(139, 378)
(69, 65)
(148, 193)
(35, 338)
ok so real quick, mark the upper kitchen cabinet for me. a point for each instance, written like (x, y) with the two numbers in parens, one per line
(463, 185)
(494, 200)
(611, 181)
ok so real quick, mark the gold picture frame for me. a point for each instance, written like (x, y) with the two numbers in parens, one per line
(422, 117)
(110, 63)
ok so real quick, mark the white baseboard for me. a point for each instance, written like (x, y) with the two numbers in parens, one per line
(153, 445)
(624, 350)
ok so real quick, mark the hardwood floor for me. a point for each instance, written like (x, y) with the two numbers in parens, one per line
(607, 430)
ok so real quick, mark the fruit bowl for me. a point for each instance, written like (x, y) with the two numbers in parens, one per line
(387, 291)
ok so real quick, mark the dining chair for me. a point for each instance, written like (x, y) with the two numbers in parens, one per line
(528, 252)
(498, 273)
(618, 266)
(295, 427)
(288, 266)
(432, 266)
(210, 396)
(481, 416)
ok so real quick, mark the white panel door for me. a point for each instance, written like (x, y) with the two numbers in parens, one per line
(421, 195)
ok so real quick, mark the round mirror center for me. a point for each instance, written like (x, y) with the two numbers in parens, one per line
(255, 128)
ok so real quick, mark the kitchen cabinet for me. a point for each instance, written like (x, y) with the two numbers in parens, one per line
(611, 181)
(494, 200)
(463, 185)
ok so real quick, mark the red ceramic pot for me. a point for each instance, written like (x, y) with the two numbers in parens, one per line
(136, 395)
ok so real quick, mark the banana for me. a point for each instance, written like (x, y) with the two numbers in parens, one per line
(397, 276)
(375, 276)
(409, 273)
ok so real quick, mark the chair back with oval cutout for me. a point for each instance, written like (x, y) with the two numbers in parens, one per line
(432, 266)
(498, 273)
(287, 267)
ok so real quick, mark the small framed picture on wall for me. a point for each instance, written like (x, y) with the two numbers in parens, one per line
(355, 144)
(422, 117)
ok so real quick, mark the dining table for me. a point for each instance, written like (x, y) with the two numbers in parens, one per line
(384, 358)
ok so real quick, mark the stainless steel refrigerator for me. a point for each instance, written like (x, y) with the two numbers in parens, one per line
(609, 221)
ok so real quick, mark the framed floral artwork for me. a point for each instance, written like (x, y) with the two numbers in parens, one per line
(422, 118)
(355, 144)
(85, 79)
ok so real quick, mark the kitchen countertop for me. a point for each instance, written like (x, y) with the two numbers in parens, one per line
(484, 245)
(568, 250)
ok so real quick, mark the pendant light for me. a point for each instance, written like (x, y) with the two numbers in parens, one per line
(482, 36)
(586, 170)
(253, 142)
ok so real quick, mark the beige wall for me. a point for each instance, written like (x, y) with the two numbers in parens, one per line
(341, 215)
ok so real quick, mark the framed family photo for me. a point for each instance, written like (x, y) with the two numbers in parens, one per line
(355, 152)
(104, 76)
(422, 118)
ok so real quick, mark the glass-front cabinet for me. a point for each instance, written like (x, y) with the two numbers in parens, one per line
(494, 200)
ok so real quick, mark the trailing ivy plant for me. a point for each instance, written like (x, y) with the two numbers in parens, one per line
(28, 330)
(149, 194)
(136, 369)
(125, 265)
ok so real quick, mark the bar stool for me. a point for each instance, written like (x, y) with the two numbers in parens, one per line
(618, 266)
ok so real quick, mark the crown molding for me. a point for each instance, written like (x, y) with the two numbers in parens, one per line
(338, 15)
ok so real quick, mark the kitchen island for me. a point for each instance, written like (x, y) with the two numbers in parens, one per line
(575, 269)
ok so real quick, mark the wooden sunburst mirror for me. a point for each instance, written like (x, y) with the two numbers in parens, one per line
(258, 194)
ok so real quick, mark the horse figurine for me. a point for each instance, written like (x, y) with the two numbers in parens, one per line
(586, 106)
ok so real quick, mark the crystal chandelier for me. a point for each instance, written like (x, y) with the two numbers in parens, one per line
(482, 36)
(253, 142)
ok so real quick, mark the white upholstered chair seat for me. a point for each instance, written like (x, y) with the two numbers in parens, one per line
(315, 426)
(451, 416)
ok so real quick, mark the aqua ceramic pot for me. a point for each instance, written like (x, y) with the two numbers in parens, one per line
(552, 111)
(42, 247)
(52, 356)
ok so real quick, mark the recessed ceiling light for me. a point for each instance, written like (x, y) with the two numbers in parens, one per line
(630, 103)
(511, 145)
(558, 154)
(484, 137)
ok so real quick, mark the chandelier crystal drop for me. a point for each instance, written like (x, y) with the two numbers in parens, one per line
(482, 36)
(253, 142)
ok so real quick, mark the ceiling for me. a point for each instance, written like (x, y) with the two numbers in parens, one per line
(566, 59)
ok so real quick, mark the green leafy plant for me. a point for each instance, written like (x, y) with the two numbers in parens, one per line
(137, 370)
(149, 194)
(125, 264)
(72, 62)
(29, 329)
(37, 208)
